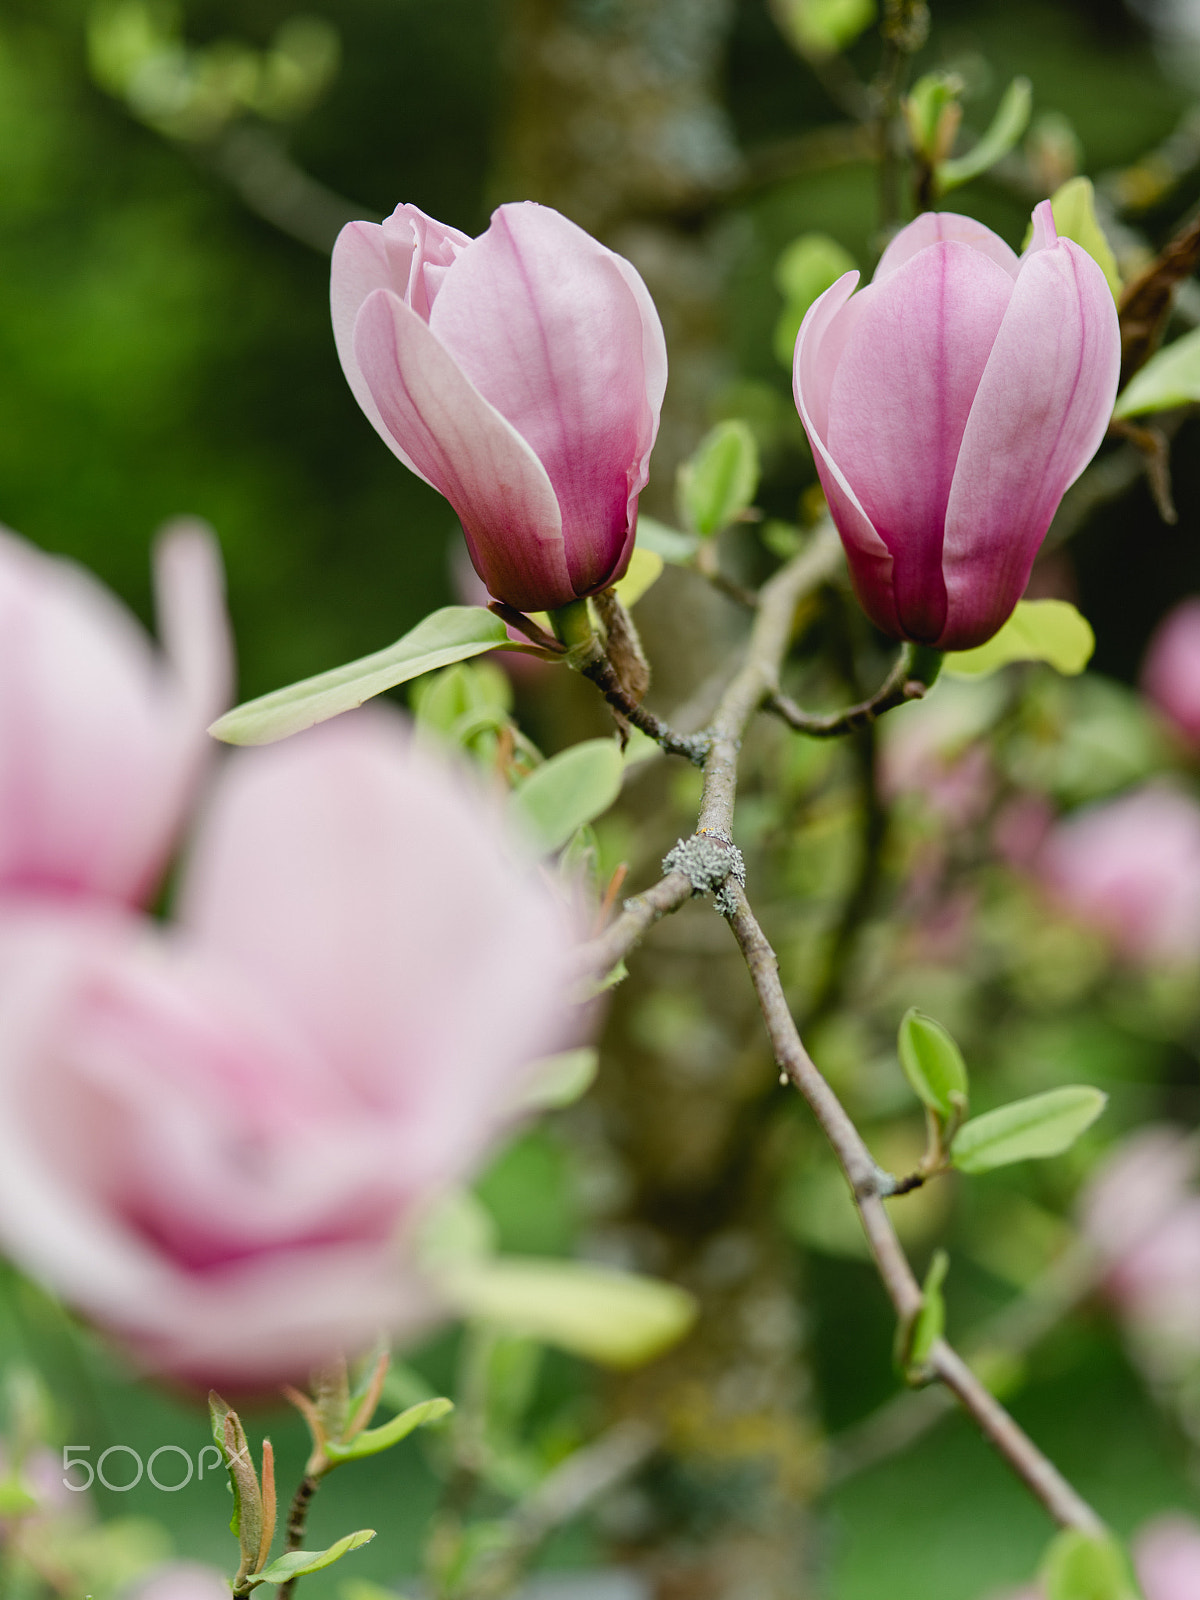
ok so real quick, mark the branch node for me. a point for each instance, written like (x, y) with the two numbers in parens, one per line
(709, 860)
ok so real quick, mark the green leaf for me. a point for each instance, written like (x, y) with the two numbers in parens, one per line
(673, 546)
(930, 1322)
(1169, 378)
(570, 789)
(15, 1499)
(616, 1318)
(1007, 126)
(1074, 206)
(1082, 1566)
(644, 570)
(373, 1440)
(719, 481)
(823, 27)
(933, 1064)
(809, 266)
(1038, 630)
(1027, 1130)
(560, 1080)
(299, 1563)
(449, 635)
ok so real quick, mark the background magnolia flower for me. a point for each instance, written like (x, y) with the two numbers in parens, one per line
(1131, 867)
(521, 374)
(1171, 671)
(215, 1138)
(949, 404)
(101, 737)
(182, 1580)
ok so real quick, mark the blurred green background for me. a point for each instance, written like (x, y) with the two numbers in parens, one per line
(164, 349)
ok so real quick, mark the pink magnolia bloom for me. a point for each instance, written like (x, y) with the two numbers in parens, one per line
(1131, 866)
(949, 404)
(1171, 672)
(101, 737)
(521, 374)
(216, 1138)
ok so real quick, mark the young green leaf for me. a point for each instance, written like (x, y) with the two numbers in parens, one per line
(449, 635)
(644, 570)
(374, 1440)
(1082, 1566)
(1006, 127)
(1074, 206)
(1026, 1130)
(299, 1563)
(822, 27)
(930, 1322)
(617, 1318)
(720, 479)
(559, 1080)
(1170, 378)
(933, 1064)
(673, 546)
(1038, 630)
(810, 265)
(570, 789)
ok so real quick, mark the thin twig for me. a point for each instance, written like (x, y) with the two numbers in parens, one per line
(902, 684)
(692, 746)
(870, 1187)
(297, 1523)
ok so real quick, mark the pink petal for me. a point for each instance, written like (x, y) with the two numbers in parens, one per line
(1043, 405)
(932, 227)
(899, 403)
(373, 893)
(462, 445)
(1166, 1554)
(543, 322)
(408, 254)
(819, 345)
(1045, 232)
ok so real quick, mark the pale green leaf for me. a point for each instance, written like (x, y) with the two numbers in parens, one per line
(1038, 630)
(560, 1080)
(930, 1322)
(1083, 1566)
(1006, 127)
(373, 1440)
(809, 266)
(720, 479)
(15, 1500)
(570, 789)
(1027, 1130)
(933, 1064)
(1074, 206)
(673, 546)
(823, 27)
(449, 635)
(458, 1228)
(1169, 378)
(615, 1318)
(644, 570)
(299, 1563)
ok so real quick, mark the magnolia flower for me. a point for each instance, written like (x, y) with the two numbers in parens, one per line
(521, 374)
(216, 1138)
(949, 405)
(1171, 672)
(1131, 867)
(101, 738)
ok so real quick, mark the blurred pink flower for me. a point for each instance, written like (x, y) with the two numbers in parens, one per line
(521, 374)
(949, 404)
(216, 1138)
(101, 738)
(1131, 867)
(181, 1580)
(1171, 670)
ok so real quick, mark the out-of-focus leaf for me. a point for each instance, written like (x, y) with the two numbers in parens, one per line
(645, 569)
(1074, 206)
(1006, 127)
(299, 1563)
(616, 1318)
(720, 479)
(373, 1440)
(560, 1080)
(1027, 1130)
(808, 267)
(933, 1064)
(930, 1323)
(822, 27)
(15, 1500)
(1038, 630)
(449, 635)
(669, 543)
(1169, 378)
(1082, 1566)
(572, 788)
